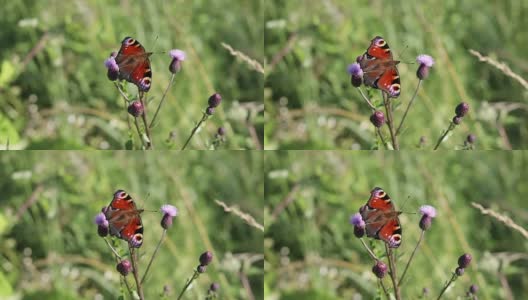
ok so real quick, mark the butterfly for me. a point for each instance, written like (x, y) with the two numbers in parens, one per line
(134, 64)
(381, 218)
(379, 69)
(124, 219)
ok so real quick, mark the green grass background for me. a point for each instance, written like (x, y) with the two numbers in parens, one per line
(310, 103)
(50, 248)
(312, 253)
(60, 98)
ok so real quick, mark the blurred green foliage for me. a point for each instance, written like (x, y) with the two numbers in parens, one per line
(310, 248)
(56, 95)
(50, 248)
(310, 103)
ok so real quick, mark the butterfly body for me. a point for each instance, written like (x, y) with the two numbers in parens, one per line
(381, 218)
(379, 68)
(124, 219)
(134, 64)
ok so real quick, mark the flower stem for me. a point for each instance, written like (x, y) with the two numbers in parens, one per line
(368, 250)
(195, 275)
(139, 287)
(410, 258)
(204, 118)
(113, 250)
(161, 101)
(384, 289)
(150, 145)
(408, 107)
(451, 127)
(382, 138)
(390, 121)
(453, 278)
(372, 107)
(153, 255)
(393, 275)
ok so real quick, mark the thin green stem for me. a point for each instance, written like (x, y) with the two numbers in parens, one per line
(195, 275)
(204, 118)
(112, 248)
(139, 287)
(451, 127)
(410, 258)
(393, 275)
(453, 278)
(378, 130)
(150, 144)
(384, 289)
(368, 250)
(136, 123)
(409, 106)
(390, 121)
(161, 101)
(372, 107)
(154, 255)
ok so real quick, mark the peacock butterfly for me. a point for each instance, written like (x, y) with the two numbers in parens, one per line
(381, 218)
(379, 69)
(124, 219)
(134, 64)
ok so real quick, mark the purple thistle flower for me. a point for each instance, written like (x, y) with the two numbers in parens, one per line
(426, 62)
(359, 225)
(206, 258)
(214, 100)
(177, 54)
(428, 210)
(377, 118)
(136, 109)
(464, 260)
(355, 70)
(178, 57)
(111, 64)
(379, 269)
(424, 59)
(429, 213)
(357, 74)
(169, 212)
(124, 267)
(100, 219)
(357, 220)
(462, 109)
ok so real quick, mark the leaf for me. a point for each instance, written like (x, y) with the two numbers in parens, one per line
(8, 132)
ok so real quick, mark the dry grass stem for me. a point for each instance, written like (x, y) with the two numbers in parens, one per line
(251, 62)
(504, 219)
(501, 66)
(246, 217)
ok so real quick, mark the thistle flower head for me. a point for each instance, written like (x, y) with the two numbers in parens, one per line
(428, 210)
(206, 258)
(136, 109)
(169, 212)
(100, 219)
(379, 269)
(377, 118)
(464, 260)
(462, 109)
(426, 60)
(124, 267)
(356, 74)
